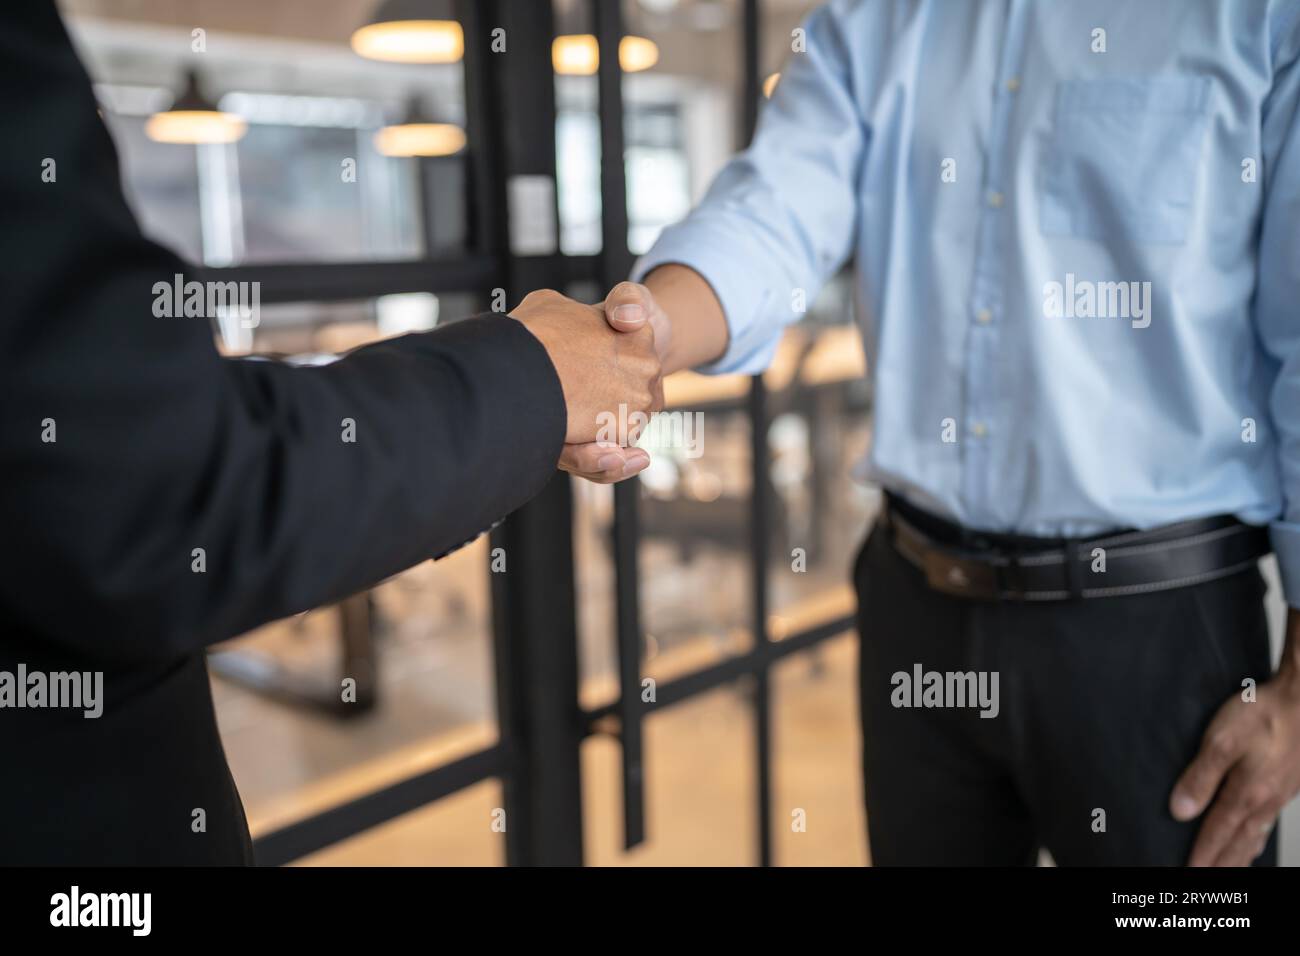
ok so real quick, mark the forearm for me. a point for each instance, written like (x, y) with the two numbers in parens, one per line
(696, 327)
(187, 500)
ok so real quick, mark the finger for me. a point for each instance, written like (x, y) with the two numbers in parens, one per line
(608, 478)
(593, 458)
(597, 478)
(638, 460)
(603, 463)
(627, 306)
(1221, 747)
(1225, 817)
(1249, 840)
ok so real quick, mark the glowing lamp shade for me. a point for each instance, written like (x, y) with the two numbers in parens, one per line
(637, 53)
(194, 121)
(575, 55)
(420, 139)
(411, 41)
(195, 127)
(578, 54)
(411, 31)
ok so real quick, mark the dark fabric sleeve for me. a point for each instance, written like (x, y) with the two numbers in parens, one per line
(163, 447)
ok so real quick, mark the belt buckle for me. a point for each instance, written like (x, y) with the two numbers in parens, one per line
(953, 574)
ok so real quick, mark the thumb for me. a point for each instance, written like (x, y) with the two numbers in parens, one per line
(627, 306)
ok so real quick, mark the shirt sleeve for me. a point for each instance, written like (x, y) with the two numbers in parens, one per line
(780, 216)
(1277, 311)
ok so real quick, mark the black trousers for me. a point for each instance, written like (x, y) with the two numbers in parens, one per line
(1100, 705)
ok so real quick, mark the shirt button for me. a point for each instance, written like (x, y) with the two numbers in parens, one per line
(983, 316)
(979, 429)
(1013, 84)
(995, 200)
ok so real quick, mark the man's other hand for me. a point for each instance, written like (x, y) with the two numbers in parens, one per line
(1248, 768)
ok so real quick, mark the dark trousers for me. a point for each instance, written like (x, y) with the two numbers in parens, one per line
(1101, 704)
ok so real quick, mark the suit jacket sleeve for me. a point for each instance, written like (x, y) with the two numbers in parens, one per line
(161, 447)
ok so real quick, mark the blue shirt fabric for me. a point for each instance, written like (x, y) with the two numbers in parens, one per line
(1075, 230)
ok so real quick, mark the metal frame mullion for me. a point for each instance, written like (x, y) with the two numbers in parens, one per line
(730, 669)
(533, 601)
(616, 263)
(336, 824)
(760, 533)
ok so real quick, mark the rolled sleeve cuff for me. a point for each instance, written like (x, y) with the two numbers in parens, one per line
(1285, 537)
(746, 298)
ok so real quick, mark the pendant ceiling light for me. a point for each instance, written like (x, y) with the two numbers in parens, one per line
(193, 120)
(577, 53)
(419, 136)
(411, 31)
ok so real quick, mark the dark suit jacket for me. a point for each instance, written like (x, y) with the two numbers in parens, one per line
(161, 447)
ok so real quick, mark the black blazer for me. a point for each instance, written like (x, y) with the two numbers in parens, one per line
(161, 447)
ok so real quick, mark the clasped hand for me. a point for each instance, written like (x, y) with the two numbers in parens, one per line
(609, 366)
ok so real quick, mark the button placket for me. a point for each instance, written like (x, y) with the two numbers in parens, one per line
(984, 335)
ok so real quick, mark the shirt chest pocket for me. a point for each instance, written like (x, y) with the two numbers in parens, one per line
(1123, 158)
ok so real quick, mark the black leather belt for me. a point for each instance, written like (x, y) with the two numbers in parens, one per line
(1128, 562)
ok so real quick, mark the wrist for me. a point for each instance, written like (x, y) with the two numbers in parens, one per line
(678, 290)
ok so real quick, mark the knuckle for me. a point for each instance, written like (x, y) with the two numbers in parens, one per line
(1257, 795)
(535, 300)
(1233, 818)
(539, 299)
(1219, 746)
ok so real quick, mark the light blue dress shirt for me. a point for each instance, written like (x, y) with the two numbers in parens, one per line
(1076, 236)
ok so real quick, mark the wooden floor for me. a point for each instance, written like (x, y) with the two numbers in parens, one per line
(700, 788)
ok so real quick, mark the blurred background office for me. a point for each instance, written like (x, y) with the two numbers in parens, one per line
(297, 134)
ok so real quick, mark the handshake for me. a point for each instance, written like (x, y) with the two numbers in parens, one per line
(609, 359)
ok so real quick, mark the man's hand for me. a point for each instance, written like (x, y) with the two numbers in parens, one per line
(1249, 765)
(600, 369)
